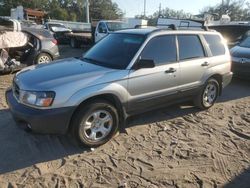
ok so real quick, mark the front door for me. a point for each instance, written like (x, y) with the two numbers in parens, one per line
(151, 87)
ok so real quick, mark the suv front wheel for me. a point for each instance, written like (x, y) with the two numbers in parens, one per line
(95, 123)
(208, 95)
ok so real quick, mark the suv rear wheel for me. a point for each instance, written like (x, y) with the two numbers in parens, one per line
(95, 123)
(208, 95)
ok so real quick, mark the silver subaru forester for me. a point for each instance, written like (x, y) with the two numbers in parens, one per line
(126, 73)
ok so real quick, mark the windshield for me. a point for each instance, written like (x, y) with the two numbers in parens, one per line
(115, 51)
(115, 26)
(245, 43)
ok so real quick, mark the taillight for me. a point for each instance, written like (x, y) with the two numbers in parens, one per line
(55, 41)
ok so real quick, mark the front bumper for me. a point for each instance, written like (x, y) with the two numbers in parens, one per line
(45, 121)
(226, 79)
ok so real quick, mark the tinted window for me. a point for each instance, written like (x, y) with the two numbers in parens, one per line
(215, 44)
(161, 49)
(190, 47)
(115, 51)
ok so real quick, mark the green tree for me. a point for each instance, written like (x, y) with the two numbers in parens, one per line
(238, 10)
(71, 10)
(6, 5)
(104, 9)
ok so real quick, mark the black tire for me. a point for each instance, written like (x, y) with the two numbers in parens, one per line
(80, 135)
(74, 43)
(201, 100)
(43, 58)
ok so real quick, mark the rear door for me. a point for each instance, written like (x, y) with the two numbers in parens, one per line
(150, 87)
(194, 61)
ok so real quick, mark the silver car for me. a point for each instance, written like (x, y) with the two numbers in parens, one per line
(126, 73)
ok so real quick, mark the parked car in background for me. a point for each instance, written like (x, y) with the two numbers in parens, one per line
(30, 46)
(45, 48)
(58, 30)
(126, 73)
(233, 33)
(241, 59)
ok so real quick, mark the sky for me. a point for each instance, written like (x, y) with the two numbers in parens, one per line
(136, 7)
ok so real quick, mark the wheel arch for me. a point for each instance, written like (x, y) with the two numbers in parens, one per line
(43, 52)
(46, 52)
(219, 79)
(111, 98)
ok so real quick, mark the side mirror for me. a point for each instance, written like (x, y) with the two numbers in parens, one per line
(144, 64)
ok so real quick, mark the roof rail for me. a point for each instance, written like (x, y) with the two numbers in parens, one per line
(141, 26)
(187, 24)
(170, 26)
(173, 27)
(205, 28)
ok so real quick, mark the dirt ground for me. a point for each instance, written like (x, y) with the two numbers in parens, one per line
(178, 147)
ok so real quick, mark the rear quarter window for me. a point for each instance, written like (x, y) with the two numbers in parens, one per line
(215, 44)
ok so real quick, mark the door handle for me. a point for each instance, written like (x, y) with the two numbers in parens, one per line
(205, 64)
(170, 70)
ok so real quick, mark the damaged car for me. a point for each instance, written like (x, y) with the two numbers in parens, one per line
(21, 47)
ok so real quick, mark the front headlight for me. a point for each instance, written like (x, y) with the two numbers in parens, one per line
(39, 99)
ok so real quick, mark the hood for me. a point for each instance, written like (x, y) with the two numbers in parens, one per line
(72, 73)
(241, 52)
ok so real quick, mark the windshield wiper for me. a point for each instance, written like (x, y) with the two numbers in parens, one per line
(99, 63)
(90, 60)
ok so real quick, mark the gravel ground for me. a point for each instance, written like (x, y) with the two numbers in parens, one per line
(178, 147)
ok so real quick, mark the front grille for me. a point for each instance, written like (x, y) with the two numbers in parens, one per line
(16, 90)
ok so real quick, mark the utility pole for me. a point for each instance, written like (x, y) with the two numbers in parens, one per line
(159, 10)
(222, 8)
(87, 10)
(145, 8)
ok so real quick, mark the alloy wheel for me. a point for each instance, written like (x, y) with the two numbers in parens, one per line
(97, 125)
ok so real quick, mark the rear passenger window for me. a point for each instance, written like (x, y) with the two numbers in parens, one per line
(215, 44)
(190, 47)
(161, 49)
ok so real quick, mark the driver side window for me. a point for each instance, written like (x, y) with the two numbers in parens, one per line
(161, 49)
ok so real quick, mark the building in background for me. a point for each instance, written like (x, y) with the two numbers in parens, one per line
(17, 13)
(28, 14)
